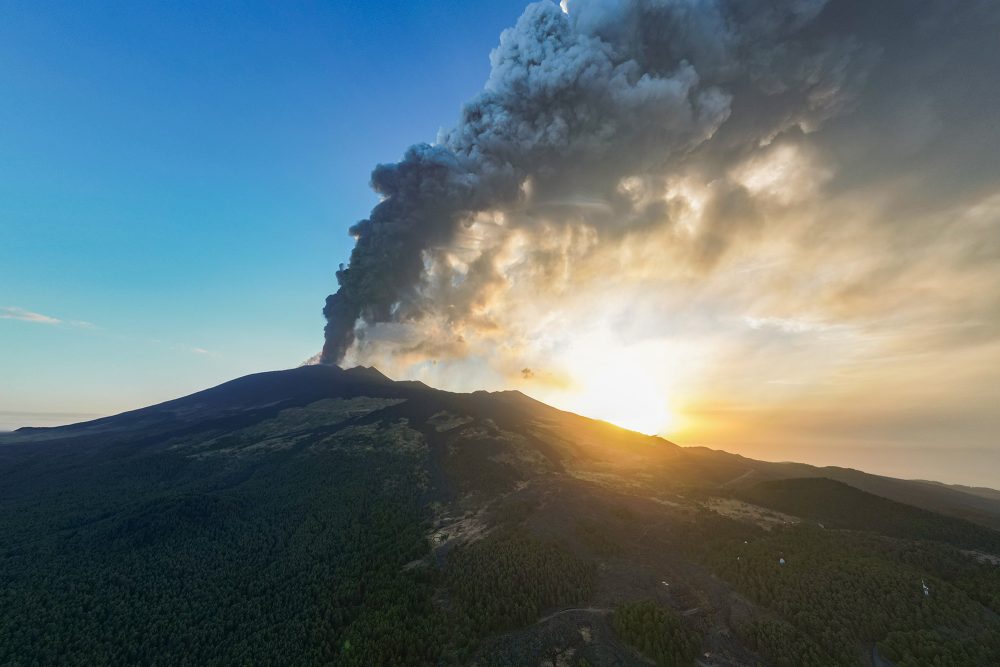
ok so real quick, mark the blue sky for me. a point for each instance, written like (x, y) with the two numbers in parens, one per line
(177, 179)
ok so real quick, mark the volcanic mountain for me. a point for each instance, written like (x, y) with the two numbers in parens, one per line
(329, 516)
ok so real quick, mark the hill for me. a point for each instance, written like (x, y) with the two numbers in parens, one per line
(839, 505)
(321, 515)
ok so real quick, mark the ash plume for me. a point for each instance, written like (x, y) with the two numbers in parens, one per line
(578, 100)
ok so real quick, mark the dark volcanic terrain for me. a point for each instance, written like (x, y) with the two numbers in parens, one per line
(328, 516)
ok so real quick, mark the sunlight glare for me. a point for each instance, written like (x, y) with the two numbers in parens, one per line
(622, 387)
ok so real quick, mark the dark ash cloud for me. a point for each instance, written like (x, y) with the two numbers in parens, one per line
(586, 113)
(575, 102)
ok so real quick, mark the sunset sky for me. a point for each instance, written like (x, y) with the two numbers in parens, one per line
(791, 254)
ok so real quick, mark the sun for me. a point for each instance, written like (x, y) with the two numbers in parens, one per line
(618, 386)
(625, 397)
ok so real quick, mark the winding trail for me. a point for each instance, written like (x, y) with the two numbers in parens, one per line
(589, 610)
(739, 478)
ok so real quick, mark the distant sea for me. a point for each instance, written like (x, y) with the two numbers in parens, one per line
(951, 464)
(11, 420)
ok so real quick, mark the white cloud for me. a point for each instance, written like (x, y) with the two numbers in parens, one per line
(15, 313)
(785, 324)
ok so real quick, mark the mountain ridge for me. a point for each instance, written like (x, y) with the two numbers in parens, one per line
(283, 388)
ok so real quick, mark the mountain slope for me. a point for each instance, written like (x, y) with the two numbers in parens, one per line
(979, 505)
(839, 505)
(321, 515)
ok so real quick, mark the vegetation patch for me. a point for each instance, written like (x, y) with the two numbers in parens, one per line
(506, 580)
(656, 632)
(288, 428)
(597, 539)
(846, 590)
(743, 511)
(447, 421)
(783, 644)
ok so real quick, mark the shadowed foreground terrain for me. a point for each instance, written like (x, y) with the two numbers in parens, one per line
(324, 516)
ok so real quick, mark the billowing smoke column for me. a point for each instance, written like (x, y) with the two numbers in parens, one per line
(425, 196)
(582, 98)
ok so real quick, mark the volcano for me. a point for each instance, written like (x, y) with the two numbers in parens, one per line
(328, 516)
